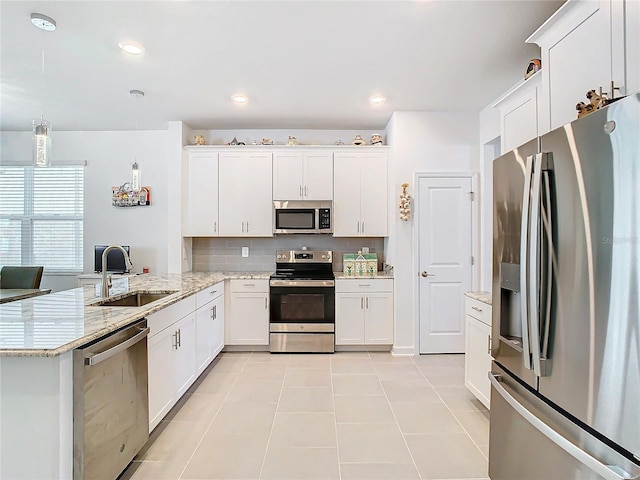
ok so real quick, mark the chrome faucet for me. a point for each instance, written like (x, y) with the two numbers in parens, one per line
(106, 282)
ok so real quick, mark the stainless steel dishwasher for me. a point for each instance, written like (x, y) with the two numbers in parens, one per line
(110, 403)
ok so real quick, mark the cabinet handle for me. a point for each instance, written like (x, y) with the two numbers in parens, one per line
(215, 312)
(247, 227)
(212, 314)
(248, 284)
(363, 226)
(215, 227)
(477, 309)
(212, 292)
(358, 227)
(242, 227)
(175, 338)
(361, 303)
(367, 302)
(364, 285)
(489, 344)
(306, 193)
(265, 303)
(300, 191)
(179, 337)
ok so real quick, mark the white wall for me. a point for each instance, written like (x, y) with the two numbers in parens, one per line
(420, 142)
(109, 156)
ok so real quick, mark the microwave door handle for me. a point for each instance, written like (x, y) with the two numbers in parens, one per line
(524, 262)
(316, 219)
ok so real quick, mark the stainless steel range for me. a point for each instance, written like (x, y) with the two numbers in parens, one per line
(302, 312)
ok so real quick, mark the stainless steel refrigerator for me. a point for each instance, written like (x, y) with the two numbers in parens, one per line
(565, 393)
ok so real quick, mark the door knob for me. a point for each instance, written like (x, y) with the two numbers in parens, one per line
(425, 274)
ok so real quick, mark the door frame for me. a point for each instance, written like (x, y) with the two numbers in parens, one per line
(475, 240)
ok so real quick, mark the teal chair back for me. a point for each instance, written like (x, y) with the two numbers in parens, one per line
(20, 277)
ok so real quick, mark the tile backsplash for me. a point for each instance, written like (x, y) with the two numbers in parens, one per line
(224, 254)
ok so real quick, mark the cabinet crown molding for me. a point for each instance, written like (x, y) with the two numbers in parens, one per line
(565, 19)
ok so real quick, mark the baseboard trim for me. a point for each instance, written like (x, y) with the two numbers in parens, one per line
(403, 351)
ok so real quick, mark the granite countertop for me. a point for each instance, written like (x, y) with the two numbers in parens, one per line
(49, 325)
(341, 275)
(484, 297)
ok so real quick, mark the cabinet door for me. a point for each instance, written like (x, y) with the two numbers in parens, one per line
(245, 194)
(185, 355)
(217, 341)
(477, 359)
(162, 388)
(201, 205)
(346, 195)
(349, 319)
(318, 176)
(287, 176)
(205, 333)
(573, 68)
(373, 195)
(249, 319)
(519, 117)
(378, 320)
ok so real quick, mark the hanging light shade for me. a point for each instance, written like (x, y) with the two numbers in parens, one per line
(41, 143)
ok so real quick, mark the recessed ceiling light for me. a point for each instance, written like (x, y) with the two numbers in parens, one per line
(240, 99)
(43, 22)
(377, 100)
(131, 47)
(136, 93)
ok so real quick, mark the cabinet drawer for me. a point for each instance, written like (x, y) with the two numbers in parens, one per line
(364, 285)
(478, 310)
(161, 319)
(248, 286)
(209, 294)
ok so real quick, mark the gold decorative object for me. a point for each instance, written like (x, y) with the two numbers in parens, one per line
(199, 139)
(405, 203)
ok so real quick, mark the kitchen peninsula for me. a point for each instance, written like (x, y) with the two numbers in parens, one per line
(37, 340)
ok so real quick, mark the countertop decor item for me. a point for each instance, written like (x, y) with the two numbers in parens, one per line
(339, 142)
(292, 140)
(266, 141)
(199, 139)
(405, 203)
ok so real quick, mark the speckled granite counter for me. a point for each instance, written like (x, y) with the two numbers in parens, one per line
(51, 324)
(341, 275)
(484, 297)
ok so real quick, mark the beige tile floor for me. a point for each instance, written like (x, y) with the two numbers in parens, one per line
(345, 416)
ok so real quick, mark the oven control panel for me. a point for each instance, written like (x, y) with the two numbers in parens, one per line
(304, 256)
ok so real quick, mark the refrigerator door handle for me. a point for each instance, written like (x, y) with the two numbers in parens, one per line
(605, 471)
(547, 224)
(525, 228)
(533, 266)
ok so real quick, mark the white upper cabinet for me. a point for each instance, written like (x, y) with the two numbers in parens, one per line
(583, 48)
(245, 194)
(300, 175)
(360, 194)
(200, 215)
(519, 113)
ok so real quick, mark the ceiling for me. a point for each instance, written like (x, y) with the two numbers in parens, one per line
(303, 64)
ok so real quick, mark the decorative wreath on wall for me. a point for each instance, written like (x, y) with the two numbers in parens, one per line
(405, 203)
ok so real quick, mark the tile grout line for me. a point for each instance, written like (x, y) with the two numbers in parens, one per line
(275, 414)
(404, 438)
(214, 417)
(335, 419)
(452, 412)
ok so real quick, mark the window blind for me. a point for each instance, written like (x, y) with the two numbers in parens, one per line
(41, 217)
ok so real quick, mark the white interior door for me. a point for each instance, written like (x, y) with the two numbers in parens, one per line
(445, 249)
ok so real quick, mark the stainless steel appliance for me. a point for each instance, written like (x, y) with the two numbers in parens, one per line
(565, 398)
(302, 302)
(302, 217)
(110, 403)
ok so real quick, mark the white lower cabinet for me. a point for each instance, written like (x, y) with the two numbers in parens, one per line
(364, 311)
(183, 340)
(477, 359)
(247, 317)
(209, 325)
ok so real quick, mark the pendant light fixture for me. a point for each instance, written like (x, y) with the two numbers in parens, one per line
(42, 128)
(135, 170)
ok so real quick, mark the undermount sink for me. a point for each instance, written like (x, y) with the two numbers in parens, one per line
(133, 299)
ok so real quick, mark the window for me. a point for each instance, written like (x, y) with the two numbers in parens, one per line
(41, 217)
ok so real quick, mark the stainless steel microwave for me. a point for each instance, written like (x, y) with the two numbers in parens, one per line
(300, 216)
